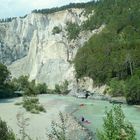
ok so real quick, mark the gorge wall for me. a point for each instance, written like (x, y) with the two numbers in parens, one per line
(28, 46)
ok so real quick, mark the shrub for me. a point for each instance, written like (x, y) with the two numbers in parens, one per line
(117, 87)
(62, 89)
(5, 132)
(57, 89)
(41, 88)
(51, 91)
(29, 88)
(116, 127)
(32, 105)
(73, 30)
(59, 130)
(133, 90)
(56, 30)
(21, 83)
(6, 92)
(23, 122)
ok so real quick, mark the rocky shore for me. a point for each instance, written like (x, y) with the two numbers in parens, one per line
(75, 130)
(99, 96)
(89, 134)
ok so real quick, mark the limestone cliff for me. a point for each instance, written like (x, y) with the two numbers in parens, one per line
(28, 47)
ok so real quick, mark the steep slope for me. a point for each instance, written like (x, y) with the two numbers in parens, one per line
(28, 46)
(112, 57)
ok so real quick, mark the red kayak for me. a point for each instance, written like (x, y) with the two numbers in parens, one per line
(81, 104)
(87, 122)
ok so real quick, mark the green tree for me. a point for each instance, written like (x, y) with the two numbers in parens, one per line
(62, 89)
(73, 30)
(30, 89)
(5, 132)
(117, 87)
(6, 89)
(4, 74)
(41, 88)
(114, 52)
(56, 30)
(116, 127)
(133, 90)
(57, 89)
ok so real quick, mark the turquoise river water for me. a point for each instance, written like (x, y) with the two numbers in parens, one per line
(93, 111)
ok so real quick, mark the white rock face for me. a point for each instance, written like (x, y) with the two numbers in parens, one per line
(28, 46)
(88, 84)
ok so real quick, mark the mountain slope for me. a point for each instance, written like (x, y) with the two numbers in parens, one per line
(112, 57)
(31, 46)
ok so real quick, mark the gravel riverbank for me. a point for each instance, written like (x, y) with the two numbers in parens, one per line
(40, 124)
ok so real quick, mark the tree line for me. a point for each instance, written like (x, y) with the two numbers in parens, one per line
(113, 55)
(14, 87)
(56, 9)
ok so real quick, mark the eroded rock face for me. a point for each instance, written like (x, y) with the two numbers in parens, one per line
(28, 47)
(87, 84)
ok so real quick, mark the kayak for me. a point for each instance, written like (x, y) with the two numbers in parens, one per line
(87, 122)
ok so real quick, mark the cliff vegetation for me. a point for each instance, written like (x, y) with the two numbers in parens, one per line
(113, 55)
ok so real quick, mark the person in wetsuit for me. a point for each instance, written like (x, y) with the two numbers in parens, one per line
(82, 119)
(86, 95)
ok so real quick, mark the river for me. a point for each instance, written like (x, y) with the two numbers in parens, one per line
(92, 110)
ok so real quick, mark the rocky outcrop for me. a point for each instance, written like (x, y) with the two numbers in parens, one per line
(28, 47)
(87, 84)
(117, 100)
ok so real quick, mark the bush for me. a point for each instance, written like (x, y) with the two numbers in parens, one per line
(133, 90)
(51, 91)
(21, 83)
(32, 105)
(73, 30)
(117, 87)
(62, 89)
(5, 132)
(59, 130)
(56, 30)
(22, 123)
(41, 88)
(57, 89)
(116, 127)
(6, 92)
(29, 88)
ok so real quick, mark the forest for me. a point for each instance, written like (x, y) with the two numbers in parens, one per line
(71, 5)
(112, 57)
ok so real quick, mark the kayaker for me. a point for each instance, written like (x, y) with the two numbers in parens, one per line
(82, 119)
